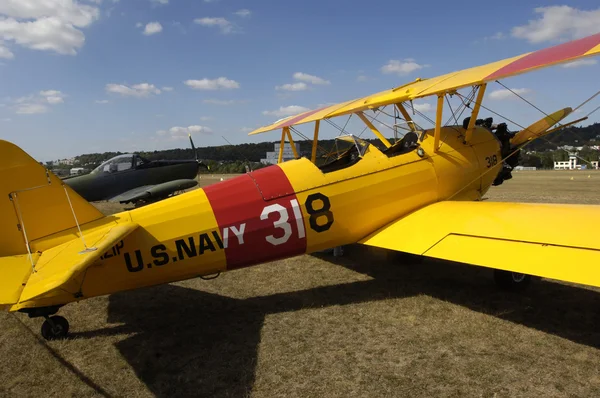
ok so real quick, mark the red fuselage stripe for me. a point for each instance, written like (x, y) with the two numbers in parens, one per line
(238, 205)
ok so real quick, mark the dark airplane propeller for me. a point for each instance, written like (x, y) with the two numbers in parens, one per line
(196, 154)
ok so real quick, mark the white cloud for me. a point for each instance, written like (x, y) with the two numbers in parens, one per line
(425, 107)
(212, 84)
(223, 24)
(206, 118)
(362, 78)
(556, 23)
(284, 111)
(167, 88)
(243, 13)
(137, 90)
(305, 77)
(580, 62)
(30, 109)
(38, 103)
(55, 100)
(159, 1)
(503, 94)
(177, 132)
(300, 86)
(219, 102)
(5, 52)
(139, 25)
(6, 119)
(246, 129)
(495, 36)
(152, 28)
(402, 67)
(49, 25)
(102, 101)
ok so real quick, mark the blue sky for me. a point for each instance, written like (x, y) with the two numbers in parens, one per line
(99, 75)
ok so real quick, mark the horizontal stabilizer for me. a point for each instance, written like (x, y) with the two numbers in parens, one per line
(14, 272)
(58, 266)
(556, 241)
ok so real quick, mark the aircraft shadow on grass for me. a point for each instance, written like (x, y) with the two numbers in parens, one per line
(188, 342)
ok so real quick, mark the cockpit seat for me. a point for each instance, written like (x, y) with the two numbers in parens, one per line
(408, 143)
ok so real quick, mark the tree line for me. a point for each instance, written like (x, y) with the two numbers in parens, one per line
(540, 153)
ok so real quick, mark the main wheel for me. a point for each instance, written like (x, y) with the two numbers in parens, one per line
(513, 281)
(55, 328)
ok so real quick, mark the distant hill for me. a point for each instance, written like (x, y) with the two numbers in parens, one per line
(221, 159)
(573, 136)
(233, 158)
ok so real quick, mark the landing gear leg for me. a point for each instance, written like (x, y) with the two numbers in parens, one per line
(512, 281)
(55, 327)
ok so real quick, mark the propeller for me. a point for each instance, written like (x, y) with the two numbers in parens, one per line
(539, 128)
(196, 153)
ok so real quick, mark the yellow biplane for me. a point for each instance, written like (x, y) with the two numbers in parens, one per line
(421, 195)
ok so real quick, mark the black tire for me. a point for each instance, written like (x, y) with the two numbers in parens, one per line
(59, 331)
(512, 281)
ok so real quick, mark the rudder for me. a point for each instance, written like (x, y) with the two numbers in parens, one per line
(34, 202)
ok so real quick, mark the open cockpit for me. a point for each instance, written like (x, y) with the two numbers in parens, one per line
(358, 148)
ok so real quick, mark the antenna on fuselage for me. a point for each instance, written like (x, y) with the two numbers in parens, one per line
(247, 167)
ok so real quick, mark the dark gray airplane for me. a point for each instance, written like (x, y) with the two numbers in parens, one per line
(132, 178)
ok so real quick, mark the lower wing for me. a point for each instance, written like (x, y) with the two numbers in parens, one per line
(556, 241)
(152, 192)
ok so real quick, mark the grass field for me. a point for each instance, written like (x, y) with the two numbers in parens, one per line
(314, 326)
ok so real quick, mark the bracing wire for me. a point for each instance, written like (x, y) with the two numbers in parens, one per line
(526, 143)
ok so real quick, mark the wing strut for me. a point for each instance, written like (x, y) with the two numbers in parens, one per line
(409, 121)
(289, 135)
(313, 157)
(374, 129)
(475, 113)
(438, 122)
(284, 132)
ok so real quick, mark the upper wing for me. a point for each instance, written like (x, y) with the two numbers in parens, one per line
(566, 52)
(555, 241)
(153, 191)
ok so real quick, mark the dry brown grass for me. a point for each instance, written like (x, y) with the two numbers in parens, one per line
(359, 325)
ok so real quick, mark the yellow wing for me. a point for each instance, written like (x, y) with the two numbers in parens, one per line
(565, 52)
(58, 267)
(555, 241)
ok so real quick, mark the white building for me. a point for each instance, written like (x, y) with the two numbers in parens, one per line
(77, 170)
(571, 164)
(66, 162)
(288, 154)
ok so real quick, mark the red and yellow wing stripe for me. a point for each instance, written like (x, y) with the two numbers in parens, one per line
(562, 53)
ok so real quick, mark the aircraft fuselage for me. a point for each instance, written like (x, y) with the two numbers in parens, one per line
(102, 186)
(285, 210)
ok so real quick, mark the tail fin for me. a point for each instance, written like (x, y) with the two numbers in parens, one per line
(34, 203)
